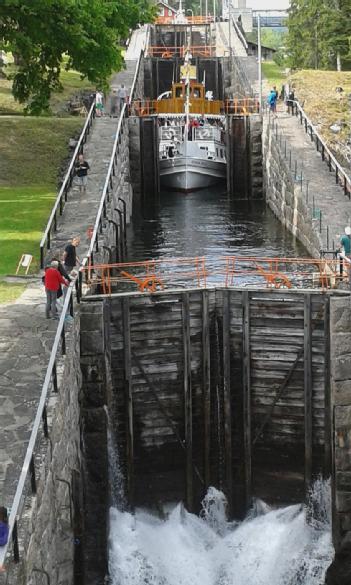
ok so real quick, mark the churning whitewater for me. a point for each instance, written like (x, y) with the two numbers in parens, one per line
(270, 547)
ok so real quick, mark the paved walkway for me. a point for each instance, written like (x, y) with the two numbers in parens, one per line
(26, 336)
(329, 198)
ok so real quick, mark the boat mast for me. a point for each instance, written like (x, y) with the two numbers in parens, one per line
(187, 95)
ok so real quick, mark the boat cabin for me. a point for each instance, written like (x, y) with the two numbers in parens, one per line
(201, 102)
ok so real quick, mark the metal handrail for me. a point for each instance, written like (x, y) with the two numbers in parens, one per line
(341, 177)
(94, 243)
(240, 34)
(62, 194)
(40, 418)
(28, 466)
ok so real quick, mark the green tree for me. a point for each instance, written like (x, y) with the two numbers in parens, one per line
(319, 33)
(273, 38)
(87, 32)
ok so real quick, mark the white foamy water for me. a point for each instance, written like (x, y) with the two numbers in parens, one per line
(270, 547)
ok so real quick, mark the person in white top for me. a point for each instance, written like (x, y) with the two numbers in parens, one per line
(99, 101)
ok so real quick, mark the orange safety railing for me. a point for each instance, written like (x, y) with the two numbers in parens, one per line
(154, 275)
(168, 52)
(193, 20)
(241, 107)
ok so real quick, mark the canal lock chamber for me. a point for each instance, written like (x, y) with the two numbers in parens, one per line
(174, 372)
(141, 356)
(203, 408)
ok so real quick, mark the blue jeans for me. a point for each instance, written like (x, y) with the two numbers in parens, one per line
(51, 298)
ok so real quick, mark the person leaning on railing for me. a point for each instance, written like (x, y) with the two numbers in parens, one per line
(290, 100)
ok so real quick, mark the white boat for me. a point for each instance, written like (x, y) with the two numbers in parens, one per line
(192, 150)
(192, 157)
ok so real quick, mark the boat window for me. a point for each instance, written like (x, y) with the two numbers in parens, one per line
(222, 152)
(179, 92)
(217, 152)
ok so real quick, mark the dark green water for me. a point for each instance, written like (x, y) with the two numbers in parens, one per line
(208, 223)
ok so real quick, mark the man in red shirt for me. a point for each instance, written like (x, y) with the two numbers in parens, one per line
(52, 281)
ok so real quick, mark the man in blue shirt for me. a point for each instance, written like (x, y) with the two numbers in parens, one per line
(272, 101)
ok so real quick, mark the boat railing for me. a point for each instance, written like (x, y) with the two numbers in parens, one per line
(169, 52)
(194, 20)
(207, 133)
(170, 133)
(235, 106)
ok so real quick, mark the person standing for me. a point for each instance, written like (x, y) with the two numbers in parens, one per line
(81, 168)
(345, 252)
(4, 526)
(52, 281)
(99, 103)
(70, 257)
(290, 100)
(272, 101)
(114, 104)
(122, 95)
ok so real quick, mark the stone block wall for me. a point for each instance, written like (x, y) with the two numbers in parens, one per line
(244, 157)
(96, 385)
(120, 204)
(284, 196)
(47, 528)
(134, 150)
(256, 163)
(340, 359)
(138, 93)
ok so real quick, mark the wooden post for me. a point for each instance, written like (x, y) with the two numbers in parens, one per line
(227, 401)
(327, 390)
(247, 398)
(206, 384)
(188, 415)
(308, 390)
(128, 400)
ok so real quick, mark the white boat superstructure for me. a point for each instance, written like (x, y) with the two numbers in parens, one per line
(192, 151)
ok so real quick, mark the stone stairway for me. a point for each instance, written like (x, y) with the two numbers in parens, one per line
(222, 40)
(80, 210)
(328, 197)
(26, 336)
(136, 43)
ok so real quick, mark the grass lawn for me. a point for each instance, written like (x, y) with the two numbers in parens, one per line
(273, 75)
(72, 85)
(31, 154)
(324, 105)
(24, 212)
(10, 292)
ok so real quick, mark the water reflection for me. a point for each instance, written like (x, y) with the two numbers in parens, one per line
(208, 223)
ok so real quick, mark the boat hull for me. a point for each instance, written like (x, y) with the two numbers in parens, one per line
(189, 174)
